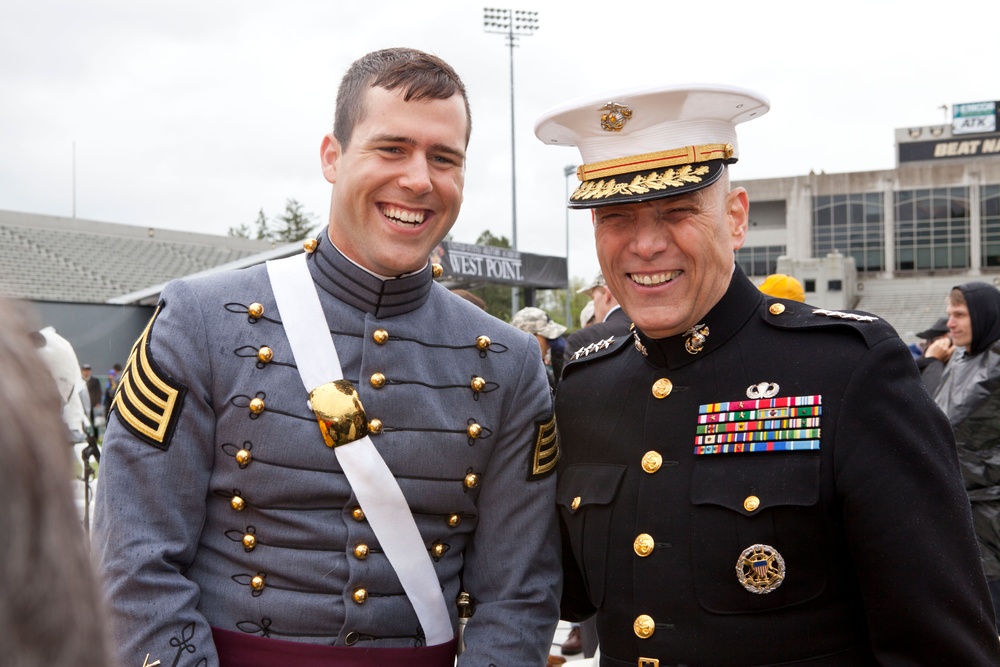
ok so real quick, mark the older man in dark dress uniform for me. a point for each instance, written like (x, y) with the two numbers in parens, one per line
(746, 480)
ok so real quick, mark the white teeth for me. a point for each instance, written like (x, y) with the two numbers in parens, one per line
(654, 279)
(403, 216)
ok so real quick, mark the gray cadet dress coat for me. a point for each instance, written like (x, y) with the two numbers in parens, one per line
(220, 505)
(850, 545)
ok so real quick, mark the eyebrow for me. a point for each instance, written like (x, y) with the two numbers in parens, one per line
(439, 148)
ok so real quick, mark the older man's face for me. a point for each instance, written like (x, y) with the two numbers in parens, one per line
(669, 261)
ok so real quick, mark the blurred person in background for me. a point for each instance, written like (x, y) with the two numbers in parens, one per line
(49, 607)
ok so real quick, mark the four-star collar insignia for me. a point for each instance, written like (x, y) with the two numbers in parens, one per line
(593, 347)
(844, 316)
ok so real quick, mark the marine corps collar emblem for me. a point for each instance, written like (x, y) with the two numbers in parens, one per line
(760, 568)
(615, 118)
(696, 341)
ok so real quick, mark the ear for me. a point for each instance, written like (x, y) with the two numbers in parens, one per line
(329, 153)
(738, 213)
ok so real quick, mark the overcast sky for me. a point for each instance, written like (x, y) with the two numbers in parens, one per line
(194, 115)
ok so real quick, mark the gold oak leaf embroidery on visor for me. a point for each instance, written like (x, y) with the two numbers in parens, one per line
(671, 178)
(545, 453)
(148, 402)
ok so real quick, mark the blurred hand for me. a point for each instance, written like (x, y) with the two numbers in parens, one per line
(941, 349)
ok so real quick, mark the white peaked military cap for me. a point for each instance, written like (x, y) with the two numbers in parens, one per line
(652, 142)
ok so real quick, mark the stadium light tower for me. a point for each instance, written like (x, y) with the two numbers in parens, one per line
(512, 23)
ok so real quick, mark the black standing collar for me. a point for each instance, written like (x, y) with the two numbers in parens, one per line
(356, 287)
(737, 305)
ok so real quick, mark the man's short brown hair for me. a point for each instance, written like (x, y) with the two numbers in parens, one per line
(420, 75)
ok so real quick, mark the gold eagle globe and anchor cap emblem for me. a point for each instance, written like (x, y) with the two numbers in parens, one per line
(339, 412)
(615, 118)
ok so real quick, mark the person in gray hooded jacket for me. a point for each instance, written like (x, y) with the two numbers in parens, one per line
(969, 394)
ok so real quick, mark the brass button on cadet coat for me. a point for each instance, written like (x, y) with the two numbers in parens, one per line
(478, 384)
(751, 503)
(360, 595)
(474, 430)
(644, 626)
(378, 380)
(255, 310)
(237, 503)
(643, 545)
(257, 583)
(662, 388)
(243, 457)
(249, 541)
(651, 461)
(375, 426)
(483, 342)
(471, 480)
(361, 551)
(257, 406)
(310, 245)
(380, 336)
(454, 520)
(358, 514)
(265, 354)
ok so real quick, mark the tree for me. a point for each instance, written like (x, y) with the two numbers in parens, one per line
(294, 225)
(497, 297)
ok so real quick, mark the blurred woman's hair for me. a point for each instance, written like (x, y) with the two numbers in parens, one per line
(49, 608)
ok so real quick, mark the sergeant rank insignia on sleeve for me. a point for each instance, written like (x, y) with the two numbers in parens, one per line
(545, 451)
(148, 402)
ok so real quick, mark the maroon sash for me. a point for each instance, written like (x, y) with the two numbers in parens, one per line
(238, 649)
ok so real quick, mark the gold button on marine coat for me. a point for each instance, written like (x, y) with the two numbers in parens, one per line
(361, 551)
(375, 426)
(644, 626)
(255, 310)
(454, 520)
(662, 388)
(471, 480)
(377, 380)
(310, 245)
(575, 504)
(777, 308)
(651, 461)
(257, 406)
(237, 503)
(751, 503)
(474, 430)
(265, 354)
(249, 541)
(360, 595)
(243, 457)
(438, 549)
(478, 384)
(380, 336)
(358, 514)
(257, 583)
(483, 342)
(643, 545)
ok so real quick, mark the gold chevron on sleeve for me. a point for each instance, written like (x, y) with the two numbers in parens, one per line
(545, 453)
(148, 401)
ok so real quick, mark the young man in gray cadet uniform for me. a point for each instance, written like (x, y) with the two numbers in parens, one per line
(747, 480)
(264, 483)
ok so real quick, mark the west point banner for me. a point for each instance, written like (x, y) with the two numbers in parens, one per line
(488, 264)
(983, 145)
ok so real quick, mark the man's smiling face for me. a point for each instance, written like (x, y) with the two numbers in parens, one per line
(398, 183)
(669, 261)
